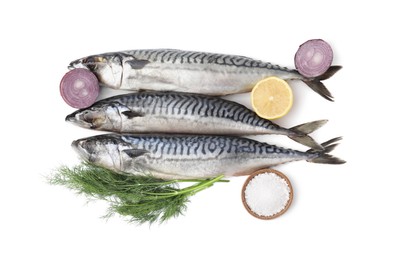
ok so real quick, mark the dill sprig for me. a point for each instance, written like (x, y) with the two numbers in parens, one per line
(140, 198)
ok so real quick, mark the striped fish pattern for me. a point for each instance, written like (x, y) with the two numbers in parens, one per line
(192, 57)
(168, 112)
(190, 157)
(189, 71)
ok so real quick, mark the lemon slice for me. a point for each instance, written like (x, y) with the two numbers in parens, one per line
(272, 98)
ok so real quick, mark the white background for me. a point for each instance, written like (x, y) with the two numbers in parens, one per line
(338, 211)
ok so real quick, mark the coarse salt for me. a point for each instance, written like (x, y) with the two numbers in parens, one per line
(267, 194)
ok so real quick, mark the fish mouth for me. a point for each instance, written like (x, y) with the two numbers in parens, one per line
(80, 148)
(71, 118)
(75, 145)
(74, 119)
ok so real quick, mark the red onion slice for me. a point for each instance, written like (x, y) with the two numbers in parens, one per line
(313, 58)
(79, 88)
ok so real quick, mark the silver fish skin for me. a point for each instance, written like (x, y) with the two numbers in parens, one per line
(191, 157)
(189, 71)
(183, 113)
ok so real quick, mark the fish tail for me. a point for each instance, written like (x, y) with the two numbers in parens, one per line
(316, 85)
(300, 133)
(324, 156)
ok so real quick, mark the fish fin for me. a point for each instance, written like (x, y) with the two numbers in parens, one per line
(131, 114)
(329, 73)
(310, 127)
(137, 64)
(323, 156)
(332, 141)
(307, 141)
(327, 159)
(301, 133)
(133, 153)
(318, 87)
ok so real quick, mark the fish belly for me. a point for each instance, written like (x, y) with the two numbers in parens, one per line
(203, 79)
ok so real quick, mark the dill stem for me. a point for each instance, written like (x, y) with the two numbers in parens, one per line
(167, 182)
(199, 180)
(192, 189)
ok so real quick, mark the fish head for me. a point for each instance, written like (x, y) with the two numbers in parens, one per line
(101, 150)
(108, 68)
(100, 116)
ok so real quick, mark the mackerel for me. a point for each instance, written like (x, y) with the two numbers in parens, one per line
(191, 157)
(165, 112)
(189, 71)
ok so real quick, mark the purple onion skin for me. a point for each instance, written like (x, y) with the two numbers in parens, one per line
(313, 58)
(79, 88)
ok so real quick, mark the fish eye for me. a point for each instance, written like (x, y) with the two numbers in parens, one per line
(89, 60)
(95, 120)
(88, 117)
(100, 59)
(95, 59)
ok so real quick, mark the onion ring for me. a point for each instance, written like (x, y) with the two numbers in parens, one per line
(79, 88)
(313, 58)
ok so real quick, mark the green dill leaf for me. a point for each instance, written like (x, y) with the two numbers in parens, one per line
(139, 198)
